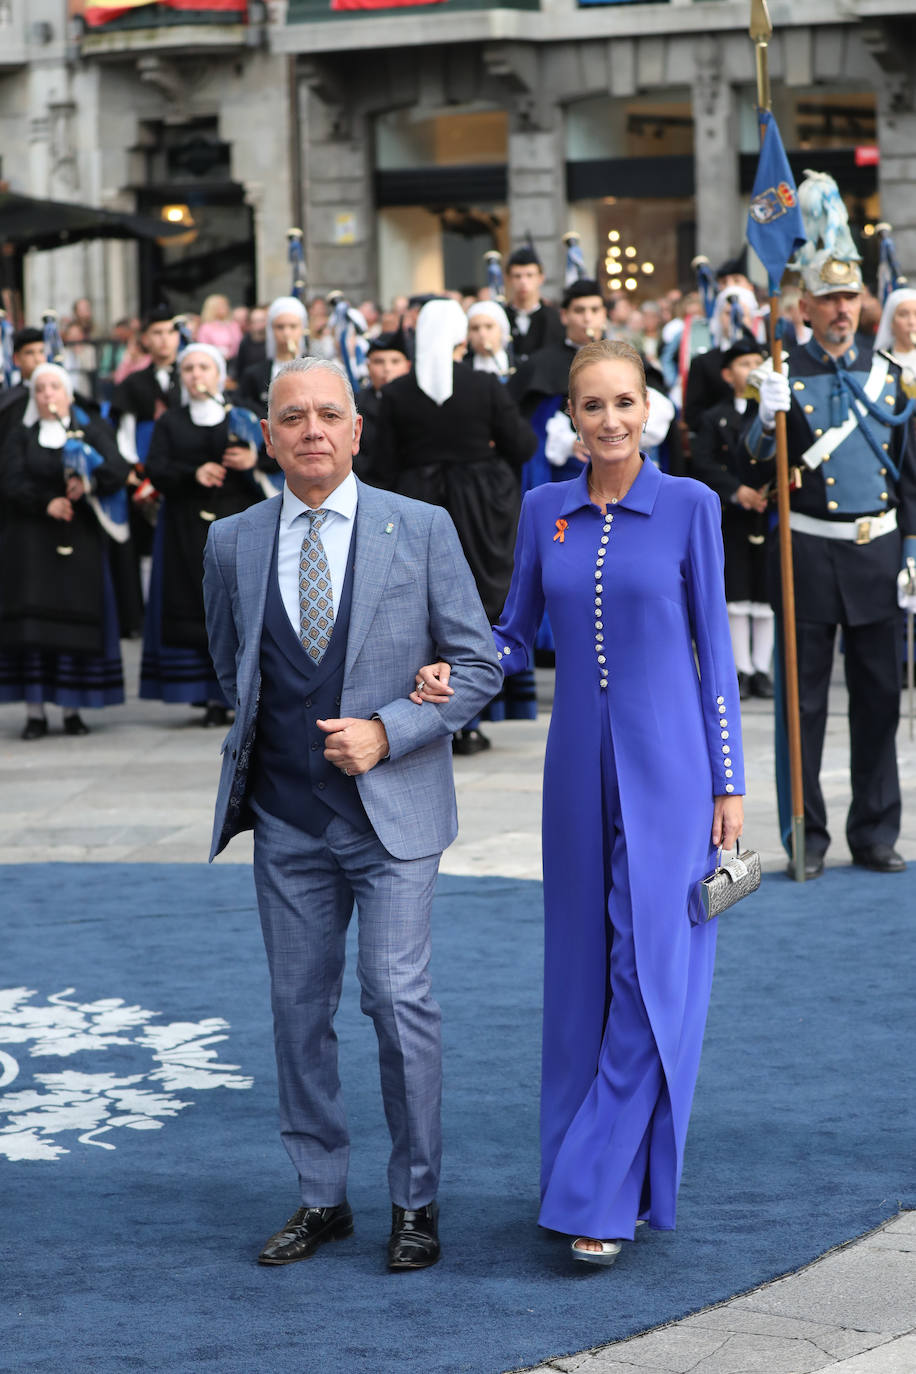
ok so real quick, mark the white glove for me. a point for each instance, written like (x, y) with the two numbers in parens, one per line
(560, 439)
(661, 414)
(906, 587)
(774, 395)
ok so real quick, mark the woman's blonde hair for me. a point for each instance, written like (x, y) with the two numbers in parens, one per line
(606, 351)
(211, 307)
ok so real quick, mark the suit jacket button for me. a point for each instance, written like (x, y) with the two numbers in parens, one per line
(337, 700)
(235, 753)
(308, 701)
(321, 787)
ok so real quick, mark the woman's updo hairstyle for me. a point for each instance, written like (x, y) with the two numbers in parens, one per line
(606, 351)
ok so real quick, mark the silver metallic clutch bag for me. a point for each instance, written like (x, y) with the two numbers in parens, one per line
(727, 884)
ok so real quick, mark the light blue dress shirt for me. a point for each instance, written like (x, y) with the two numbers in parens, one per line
(336, 533)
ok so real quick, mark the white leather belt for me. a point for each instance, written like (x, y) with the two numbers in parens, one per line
(861, 531)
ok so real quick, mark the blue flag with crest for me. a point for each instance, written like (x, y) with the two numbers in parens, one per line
(774, 220)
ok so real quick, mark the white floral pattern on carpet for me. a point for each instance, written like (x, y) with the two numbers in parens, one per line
(178, 1057)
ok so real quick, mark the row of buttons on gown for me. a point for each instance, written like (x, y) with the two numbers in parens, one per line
(726, 750)
(599, 591)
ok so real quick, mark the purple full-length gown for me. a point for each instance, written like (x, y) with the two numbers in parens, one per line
(645, 731)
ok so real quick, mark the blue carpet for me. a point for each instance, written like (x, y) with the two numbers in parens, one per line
(140, 1167)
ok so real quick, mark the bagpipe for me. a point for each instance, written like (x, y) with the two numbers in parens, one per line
(890, 279)
(495, 279)
(695, 336)
(349, 329)
(576, 269)
(6, 349)
(54, 344)
(81, 460)
(245, 432)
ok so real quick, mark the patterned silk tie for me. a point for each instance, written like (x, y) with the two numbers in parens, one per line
(316, 599)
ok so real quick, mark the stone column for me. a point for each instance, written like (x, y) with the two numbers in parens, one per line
(254, 117)
(897, 168)
(715, 155)
(537, 191)
(337, 177)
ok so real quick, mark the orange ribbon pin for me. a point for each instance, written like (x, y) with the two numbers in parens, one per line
(561, 531)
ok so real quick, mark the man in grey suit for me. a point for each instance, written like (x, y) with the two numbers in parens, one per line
(321, 605)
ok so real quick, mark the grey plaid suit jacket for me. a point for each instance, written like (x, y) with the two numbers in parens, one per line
(414, 601)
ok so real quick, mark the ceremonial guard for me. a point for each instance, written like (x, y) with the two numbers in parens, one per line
(735, 316)
(144, 395)
(136, 405)
(28, 353)
(852, 451)
(388, 357)
(716, 460)
(533, 323)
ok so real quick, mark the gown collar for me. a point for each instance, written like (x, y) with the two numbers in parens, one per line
(640, 497)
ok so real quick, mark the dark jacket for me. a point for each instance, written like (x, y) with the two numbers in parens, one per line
(51, 571)
(465, 455)
(178, 448)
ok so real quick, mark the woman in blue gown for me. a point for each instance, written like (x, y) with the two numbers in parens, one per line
(643, 779)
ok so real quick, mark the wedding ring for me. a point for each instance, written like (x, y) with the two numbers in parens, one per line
(347, 771)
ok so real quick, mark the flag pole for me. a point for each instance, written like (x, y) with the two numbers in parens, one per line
(761, 30)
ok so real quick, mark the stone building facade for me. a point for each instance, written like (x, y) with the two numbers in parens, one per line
(408, 140)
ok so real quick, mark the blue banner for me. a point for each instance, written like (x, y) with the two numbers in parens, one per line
(774, 222)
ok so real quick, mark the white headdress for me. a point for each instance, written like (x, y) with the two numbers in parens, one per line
(441, 327)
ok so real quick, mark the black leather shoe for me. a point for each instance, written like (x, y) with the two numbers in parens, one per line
(75, 725)
(414, 1242)
(215, 715)
(35, 728)
(814, 867)
(744, 686)
(762, 686)
(469, 742)
(881, 858)
(305, 1231)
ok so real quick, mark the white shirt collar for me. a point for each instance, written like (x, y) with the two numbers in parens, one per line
(342, 501)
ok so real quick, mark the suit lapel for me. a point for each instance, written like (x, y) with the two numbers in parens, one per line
(376, 536)
(253, 562)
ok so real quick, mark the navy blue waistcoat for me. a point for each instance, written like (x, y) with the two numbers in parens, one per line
(291, 779)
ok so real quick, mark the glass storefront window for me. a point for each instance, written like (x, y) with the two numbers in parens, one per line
(642, 247)
(660, 125)
(406, 138)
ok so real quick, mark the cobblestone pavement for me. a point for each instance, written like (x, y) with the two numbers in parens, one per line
(140, 788)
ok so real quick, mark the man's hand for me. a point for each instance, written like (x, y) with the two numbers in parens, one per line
(60, 509)
(211, 474)
(432, 684)
(749, 498)
(240, 457)
(727, 821)
(354, 746)
(76, 488)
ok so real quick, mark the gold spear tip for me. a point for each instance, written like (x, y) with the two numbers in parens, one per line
(761, 24)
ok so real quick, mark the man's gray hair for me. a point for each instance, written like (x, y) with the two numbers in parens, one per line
(311, 365)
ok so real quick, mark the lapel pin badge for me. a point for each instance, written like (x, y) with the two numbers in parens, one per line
(562, 526)
(389, 528)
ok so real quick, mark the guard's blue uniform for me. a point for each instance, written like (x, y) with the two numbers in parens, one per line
(855, 501)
